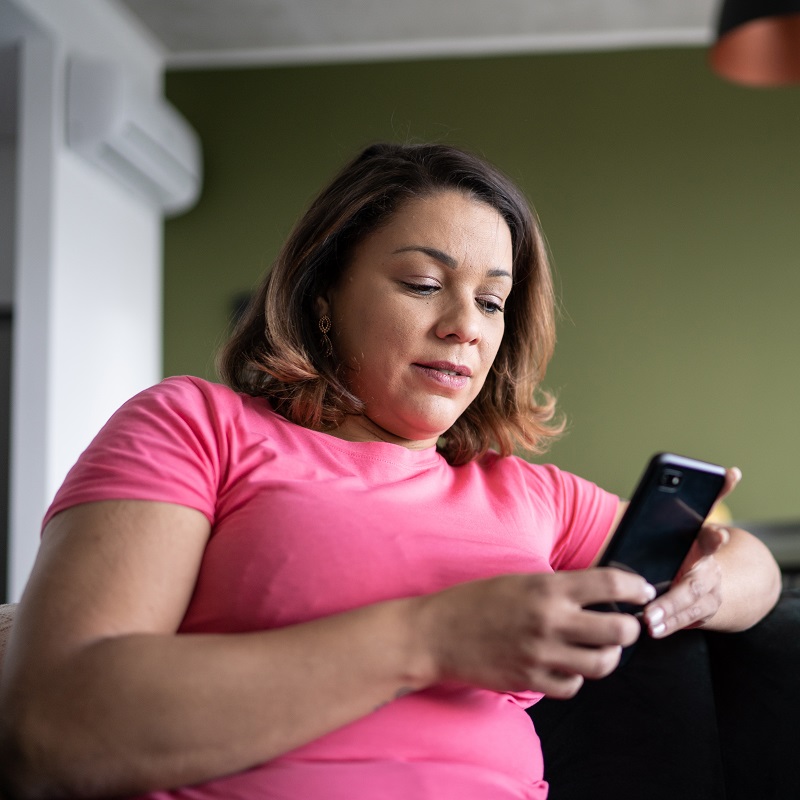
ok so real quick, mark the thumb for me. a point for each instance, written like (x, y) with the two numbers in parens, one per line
(712, 538)
(732, 477)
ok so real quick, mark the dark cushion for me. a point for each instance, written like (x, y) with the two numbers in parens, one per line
(756, 677)
(698, 715)
(648, 730)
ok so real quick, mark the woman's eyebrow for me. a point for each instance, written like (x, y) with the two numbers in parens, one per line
(438, 255)
(448, 260)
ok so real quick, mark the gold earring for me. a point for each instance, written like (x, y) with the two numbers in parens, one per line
(324, 327)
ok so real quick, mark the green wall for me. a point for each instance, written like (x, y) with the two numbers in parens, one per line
(671, 201)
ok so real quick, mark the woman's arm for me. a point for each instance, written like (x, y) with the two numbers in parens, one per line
(100, 697)
(728, 583)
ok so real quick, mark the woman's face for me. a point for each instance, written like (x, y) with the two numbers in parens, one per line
(417, 317)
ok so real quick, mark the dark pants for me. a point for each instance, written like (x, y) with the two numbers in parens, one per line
(697, 715)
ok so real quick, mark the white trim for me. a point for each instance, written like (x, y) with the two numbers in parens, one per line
(31, 433)
(441, 48)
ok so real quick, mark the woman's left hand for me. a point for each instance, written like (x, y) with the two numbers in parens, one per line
(696, 594)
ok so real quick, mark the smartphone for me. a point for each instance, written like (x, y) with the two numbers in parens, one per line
(666, 511)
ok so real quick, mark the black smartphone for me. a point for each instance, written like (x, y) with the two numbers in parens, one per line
(668, 508)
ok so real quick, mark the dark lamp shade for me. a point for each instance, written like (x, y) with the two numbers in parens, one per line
(758, 42)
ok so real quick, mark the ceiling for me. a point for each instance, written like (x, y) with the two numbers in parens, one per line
(203, 33)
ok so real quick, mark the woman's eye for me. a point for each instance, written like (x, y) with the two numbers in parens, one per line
(421, 288)
(490, 306)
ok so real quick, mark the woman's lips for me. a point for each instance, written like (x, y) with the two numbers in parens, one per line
(446, 374)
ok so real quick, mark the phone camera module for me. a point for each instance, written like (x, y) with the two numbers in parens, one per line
(670, 479)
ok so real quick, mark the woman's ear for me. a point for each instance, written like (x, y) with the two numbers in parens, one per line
(322, 305)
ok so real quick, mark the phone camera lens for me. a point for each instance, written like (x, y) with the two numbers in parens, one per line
(671, 479)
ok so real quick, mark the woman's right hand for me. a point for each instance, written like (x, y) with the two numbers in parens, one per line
(532, 631)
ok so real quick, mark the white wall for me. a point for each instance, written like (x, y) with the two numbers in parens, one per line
(8, 155)
(87, 302)
(105, 335)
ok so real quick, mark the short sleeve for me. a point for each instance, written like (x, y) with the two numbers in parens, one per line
(166, 444)
(584, 514)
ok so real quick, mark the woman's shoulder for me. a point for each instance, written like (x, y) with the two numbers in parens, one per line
(169, 442)
(188, 409)
(190, 389)
(188, 395)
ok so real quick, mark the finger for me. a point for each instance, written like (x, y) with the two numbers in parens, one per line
(610, 585)
(732, 477)
(660, 624)
(557, 685)
(603, 628)
(589, 662)
(712, 538)
(688, 603)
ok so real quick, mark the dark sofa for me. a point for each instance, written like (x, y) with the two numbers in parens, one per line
(696, 716)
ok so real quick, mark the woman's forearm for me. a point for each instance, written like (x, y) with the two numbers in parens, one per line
(124, 714)
(751, 583)
(144, 711)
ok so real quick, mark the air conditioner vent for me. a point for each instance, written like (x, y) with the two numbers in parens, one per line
(141, 141)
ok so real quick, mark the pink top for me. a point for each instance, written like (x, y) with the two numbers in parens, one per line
(304, 525)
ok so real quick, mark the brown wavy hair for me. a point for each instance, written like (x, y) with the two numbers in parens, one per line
(276, 350)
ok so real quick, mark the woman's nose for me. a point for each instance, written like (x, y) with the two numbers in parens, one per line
(461, 322)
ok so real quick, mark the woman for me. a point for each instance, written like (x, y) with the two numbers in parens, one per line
(363, 591)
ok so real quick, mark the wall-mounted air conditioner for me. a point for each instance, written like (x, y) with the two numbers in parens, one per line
(138, 138)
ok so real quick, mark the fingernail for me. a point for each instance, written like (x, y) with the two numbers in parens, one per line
(658, 630)
(654, 616)
(737, 472)
(650, 591)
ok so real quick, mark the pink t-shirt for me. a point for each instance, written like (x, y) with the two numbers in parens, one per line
(304, 525)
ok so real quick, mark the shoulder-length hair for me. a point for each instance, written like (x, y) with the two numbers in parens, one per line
(276, 350)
